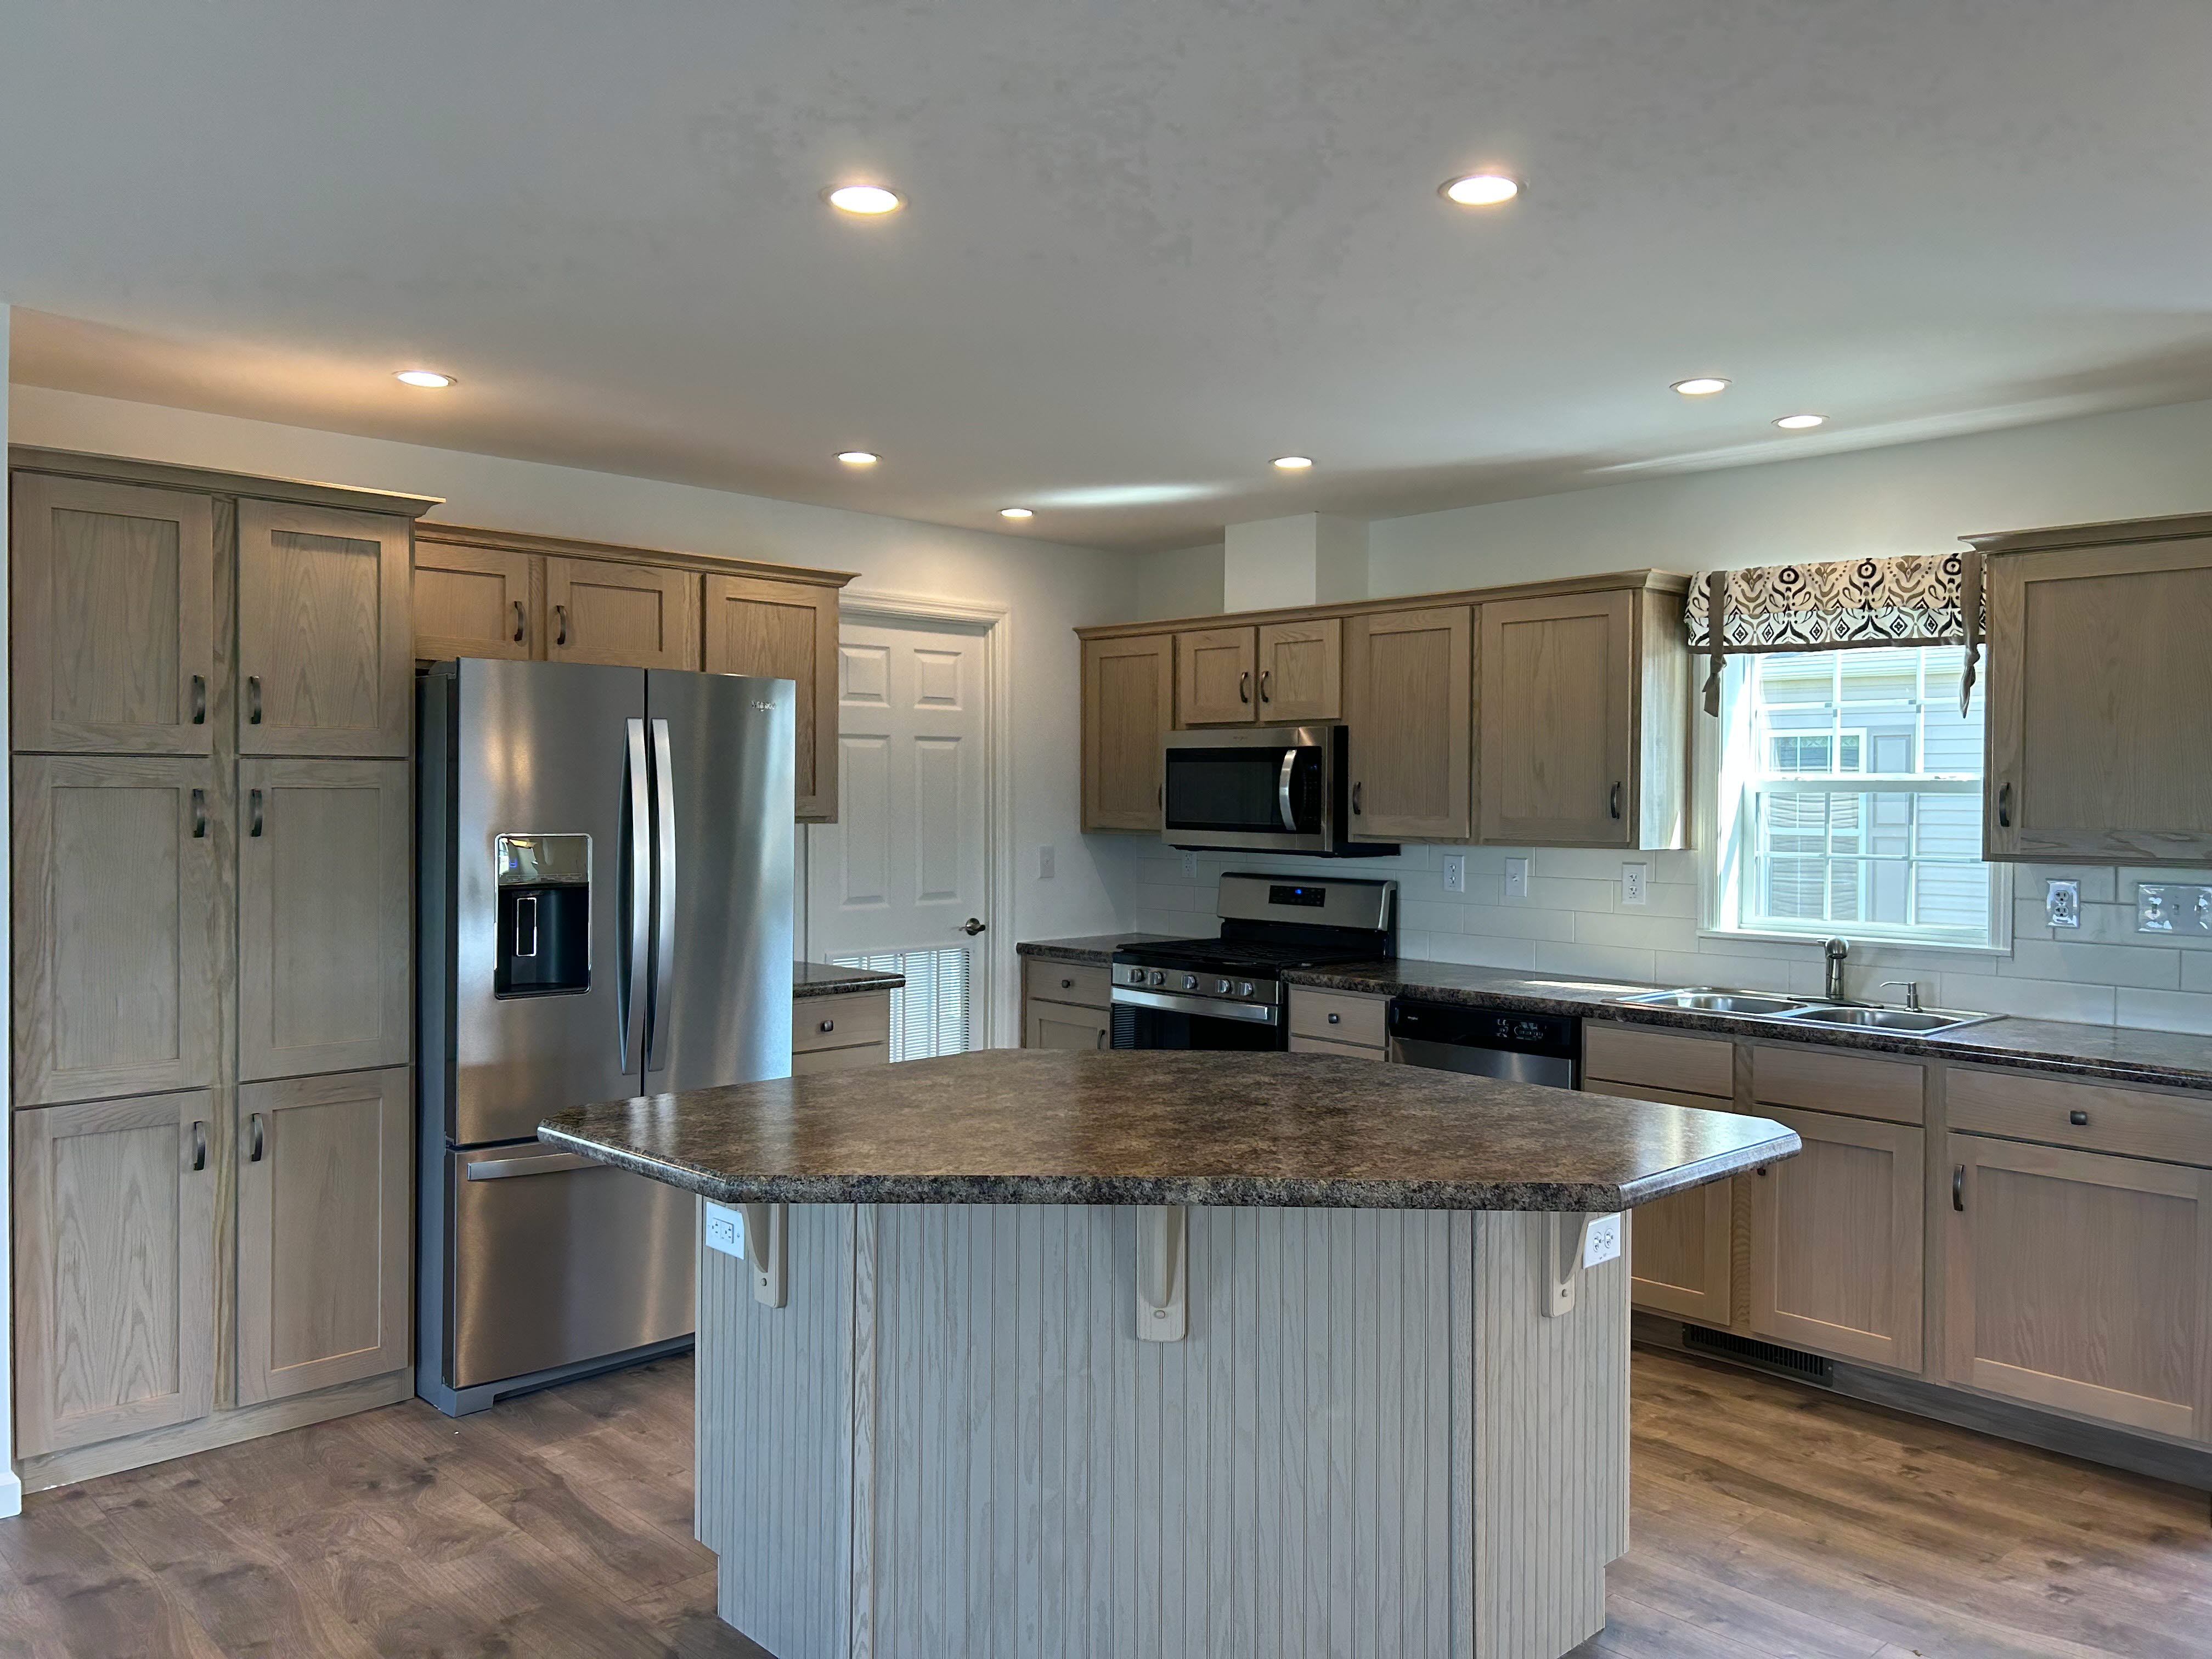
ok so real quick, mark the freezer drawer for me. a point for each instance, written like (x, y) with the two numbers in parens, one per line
(556, 1260)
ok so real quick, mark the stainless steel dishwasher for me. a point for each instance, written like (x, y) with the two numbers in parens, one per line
(1446, 1037)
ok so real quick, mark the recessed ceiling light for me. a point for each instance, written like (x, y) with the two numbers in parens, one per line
(1801, 422)
(1014, 512)
(1293, 463)
(867, 200)
(1701, 386)
(858, 456)
(423, 377)
(1480, 189)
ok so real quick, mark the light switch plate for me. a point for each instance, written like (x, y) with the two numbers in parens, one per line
(1045, 863)
(1516, 879)
(1454, 873)
(1634, 883)
(2173, 910)
(2062, 903)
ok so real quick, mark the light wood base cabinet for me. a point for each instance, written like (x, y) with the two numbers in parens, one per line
(325, 1221)
(1837, 1240)
(2082, 1282)
(115, 1280)
(1060, 1025)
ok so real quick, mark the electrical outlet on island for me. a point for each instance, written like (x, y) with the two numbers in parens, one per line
(1634, 878)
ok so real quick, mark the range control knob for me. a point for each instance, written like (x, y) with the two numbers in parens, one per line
(1221, 987)
(1244, 989)
(1158, 978)
(1190, 981)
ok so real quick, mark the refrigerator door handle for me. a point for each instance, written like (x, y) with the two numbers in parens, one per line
(660, 1011)
(637, 884)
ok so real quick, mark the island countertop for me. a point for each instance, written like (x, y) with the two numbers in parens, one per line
(1006, 1126)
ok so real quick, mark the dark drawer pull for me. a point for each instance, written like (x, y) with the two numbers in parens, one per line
(199, 700)
(1068, 985)
(521, 622)
(1958, 1187)
(1336, 1019)
(2079, 1120)
(829, 1024)
(254, 699)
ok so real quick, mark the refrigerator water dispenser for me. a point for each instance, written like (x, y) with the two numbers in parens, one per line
(544, 915)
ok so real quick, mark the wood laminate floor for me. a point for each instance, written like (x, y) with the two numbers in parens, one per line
(1769, 1521)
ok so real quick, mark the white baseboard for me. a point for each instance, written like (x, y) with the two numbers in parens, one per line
(11, 1494)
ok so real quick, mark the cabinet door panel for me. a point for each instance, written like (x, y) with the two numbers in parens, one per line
(323, 1210)
(786, 631)
(324, 632)
(118, 927)
(2101, 704)
(1055, 1025)
(1409, 700)
(1557, 682)
(2082, 1282)
(1215, 669)
(475, 602)
(1679, 1254)
(115, 1269)
(860, 1057)
(1302, 671)
(323, 906)
(1837, 1236)
(1128, 702)
(630, 615)
(114, 634)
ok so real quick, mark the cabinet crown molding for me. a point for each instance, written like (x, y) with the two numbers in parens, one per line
(118, 469)
(2178, 527)
(564, 547)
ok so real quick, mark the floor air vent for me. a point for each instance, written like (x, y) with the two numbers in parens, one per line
(1773, 1356)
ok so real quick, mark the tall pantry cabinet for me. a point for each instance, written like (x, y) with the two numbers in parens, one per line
(211, 685)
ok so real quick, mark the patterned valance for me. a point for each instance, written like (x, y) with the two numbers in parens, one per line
(1912, 598)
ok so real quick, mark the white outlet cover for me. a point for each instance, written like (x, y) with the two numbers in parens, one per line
(1635, 884)
(1045, 863)
(726, 1230)
(1603, 1242)
(1516, 879)
(1190, 864)
(1454, 873)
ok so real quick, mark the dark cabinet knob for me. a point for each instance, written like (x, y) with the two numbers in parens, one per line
(829, 1024)
(2079, 1120)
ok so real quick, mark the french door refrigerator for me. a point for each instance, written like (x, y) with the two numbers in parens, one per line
(605, 887)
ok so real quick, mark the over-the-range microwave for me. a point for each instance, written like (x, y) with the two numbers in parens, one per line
(1266, 789)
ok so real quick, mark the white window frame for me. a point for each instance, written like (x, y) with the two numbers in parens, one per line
(1723, 822)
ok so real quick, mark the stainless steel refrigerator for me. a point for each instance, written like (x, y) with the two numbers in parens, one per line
(604, 884)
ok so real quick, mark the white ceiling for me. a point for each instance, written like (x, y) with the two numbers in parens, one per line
(1148, 248)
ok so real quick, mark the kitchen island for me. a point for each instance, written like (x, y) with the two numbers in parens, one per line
(1164, 1353)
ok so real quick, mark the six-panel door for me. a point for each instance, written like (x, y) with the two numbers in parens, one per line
(626, 615)
(1558, 677)
(786, 631)
(324, 862)
(121, 930)
(324, 632)
(113, 634)
(1129, 704)
(115, 1283)
(324, 1218)
(475, 602)
(1215, 671)
(1409, 698)
(2080, 1281)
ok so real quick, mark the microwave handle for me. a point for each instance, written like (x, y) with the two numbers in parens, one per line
(1283, 791)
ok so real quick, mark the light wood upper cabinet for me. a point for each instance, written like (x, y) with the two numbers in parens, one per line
(325, 1214)
(1837, 1240)
(1557, 687)
(121, 930)
(1129, 704)
(324, 632)
(323, 864)
(1409, 701)
(114, 617)
(2100, 689)
(1215, 671)
(633, 616)
(2081, 1282)
(1301, 671)
(115, 1280)
(477, 602)
(788, 631)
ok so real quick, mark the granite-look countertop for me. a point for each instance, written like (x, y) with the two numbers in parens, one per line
(1094, 950)
(819, 978)
(1032, 1125)
(2117, 1054)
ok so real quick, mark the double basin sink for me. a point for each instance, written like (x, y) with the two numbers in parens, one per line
(1807, 1011)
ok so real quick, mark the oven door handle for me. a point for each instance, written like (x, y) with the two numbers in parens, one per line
(1251, 1014)
(1283, 790)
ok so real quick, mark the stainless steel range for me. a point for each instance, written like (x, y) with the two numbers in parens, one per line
(1227, 993)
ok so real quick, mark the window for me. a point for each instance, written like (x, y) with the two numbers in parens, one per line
(1849, 796)
(929, 1013)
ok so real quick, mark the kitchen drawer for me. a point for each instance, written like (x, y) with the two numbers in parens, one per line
(1697, 1066)
(1623, 1090)
(815, 1061)
(1308, 1045)
(2093, 1116)
(843, 1021)
(1067, 981)
(1828, 1080)
(1335, 1018)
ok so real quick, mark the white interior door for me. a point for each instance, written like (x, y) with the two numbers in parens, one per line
(896, 881)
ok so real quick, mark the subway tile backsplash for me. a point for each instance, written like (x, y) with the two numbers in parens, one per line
(1573, 922)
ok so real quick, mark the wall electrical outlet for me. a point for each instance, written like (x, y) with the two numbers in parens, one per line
(2062, 903)
(1603, 1242)
(1516, 879)
(1190, 865)
(1045, 863)
(1633, 880)
(726, 1230)
(1454, 873)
